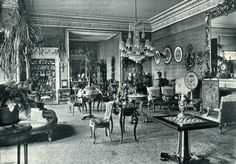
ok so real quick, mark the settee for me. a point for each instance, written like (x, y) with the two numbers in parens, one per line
(42, 120)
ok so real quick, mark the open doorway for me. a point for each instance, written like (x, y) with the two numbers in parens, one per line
(90, 54)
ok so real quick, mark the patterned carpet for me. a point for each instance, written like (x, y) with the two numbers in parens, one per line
(73, 144)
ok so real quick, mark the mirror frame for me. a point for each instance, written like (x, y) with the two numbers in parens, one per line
(224, 8)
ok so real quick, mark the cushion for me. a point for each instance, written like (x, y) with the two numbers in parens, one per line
(41, 120)
(99, 122)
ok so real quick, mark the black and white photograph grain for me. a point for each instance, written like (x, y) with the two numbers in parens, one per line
(117, 81)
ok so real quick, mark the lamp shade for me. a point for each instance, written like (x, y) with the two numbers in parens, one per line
(122, 45)
(147, 44)
(128, 43)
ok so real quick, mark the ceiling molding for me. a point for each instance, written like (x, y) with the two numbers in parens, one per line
(215, 31)
(84, 22)
(181, 11)
(223, 25)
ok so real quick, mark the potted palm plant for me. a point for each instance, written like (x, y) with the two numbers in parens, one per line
(18, 37)
(13, 100)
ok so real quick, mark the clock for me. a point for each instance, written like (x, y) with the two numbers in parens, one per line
(223, 67)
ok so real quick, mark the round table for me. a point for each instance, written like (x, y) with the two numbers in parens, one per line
(16, 135)
(90, 94)
(138, 99)
(127, 111)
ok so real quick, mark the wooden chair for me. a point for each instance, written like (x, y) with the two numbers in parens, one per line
(77, 100)
(154, 97)
(225, 114)
(105, 122)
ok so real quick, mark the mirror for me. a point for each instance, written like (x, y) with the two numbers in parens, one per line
(221, 40)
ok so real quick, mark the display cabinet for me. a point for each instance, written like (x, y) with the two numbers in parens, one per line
(43, 75)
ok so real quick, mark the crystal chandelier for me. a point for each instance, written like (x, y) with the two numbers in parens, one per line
(136, 48)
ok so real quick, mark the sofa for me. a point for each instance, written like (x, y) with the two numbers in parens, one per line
(42, 120)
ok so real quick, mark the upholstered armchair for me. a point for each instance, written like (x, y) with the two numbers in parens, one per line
(169, 96)
(225, 114)
(154, 97)
(105, 122)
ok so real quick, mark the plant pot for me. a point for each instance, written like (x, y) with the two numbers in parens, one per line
(7, 117)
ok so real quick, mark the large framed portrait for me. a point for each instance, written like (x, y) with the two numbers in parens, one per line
(157, 57)
(167, 55)
(178, 54)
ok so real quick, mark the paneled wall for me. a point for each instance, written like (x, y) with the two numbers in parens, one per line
(189, 31)
(226, 38)
(130, 68)
(107, 49)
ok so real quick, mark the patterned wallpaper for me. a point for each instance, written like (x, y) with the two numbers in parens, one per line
(190, 31)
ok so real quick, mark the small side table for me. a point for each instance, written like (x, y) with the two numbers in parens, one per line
(139, 98)
(16, 135)
(128, 111)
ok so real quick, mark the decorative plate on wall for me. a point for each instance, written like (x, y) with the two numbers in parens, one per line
(178, 54)
(157, 57)
(191, 80)
(167, 55)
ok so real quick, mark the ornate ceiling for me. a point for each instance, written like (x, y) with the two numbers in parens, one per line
(113, 15)
(224, 21)
(101, 8)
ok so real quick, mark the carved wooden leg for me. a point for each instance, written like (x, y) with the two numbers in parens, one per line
(106, 132)
(93, 105)
(111, 123)
(82, 107)
(18, 154)
(94, 135)
(220, 128)
(98, 105)
(70, 107)
(121, 126)
(86, 109)
(123, 122)
(50, 135)
(135, 126)
(183, 153)
(91, 130)
(109, 132)
(26, 153)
